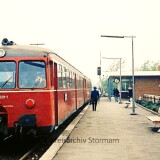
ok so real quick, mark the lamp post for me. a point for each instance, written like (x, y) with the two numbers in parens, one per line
(120, 78)
(133, 97)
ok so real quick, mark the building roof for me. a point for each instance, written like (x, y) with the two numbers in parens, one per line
(136, 73)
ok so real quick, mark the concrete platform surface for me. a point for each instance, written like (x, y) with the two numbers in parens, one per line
(111, 133)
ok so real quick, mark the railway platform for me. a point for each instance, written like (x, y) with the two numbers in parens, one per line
(111, 133)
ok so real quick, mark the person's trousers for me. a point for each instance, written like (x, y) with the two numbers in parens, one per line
(116, 98)
(94, 105)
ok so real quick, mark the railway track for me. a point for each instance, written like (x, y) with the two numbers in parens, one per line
(13, 149)
(33, 150)
(29, 153)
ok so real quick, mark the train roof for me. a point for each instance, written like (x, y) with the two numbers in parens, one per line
(35, 51)
(25, 50)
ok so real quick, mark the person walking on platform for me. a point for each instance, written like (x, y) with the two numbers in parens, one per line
(129, 93)
(116, 94)
(94, 98)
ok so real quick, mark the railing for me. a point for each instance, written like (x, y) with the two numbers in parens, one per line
(153, 98)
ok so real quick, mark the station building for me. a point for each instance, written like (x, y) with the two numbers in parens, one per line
(145, 82)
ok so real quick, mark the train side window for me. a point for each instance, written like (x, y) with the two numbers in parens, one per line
(67, 78)
(64, 77)
(60, 82)
(70, 79)
(73, 80)
(79, 82)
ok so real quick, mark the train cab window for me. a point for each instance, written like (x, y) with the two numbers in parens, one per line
(32, 74)
(7, 75)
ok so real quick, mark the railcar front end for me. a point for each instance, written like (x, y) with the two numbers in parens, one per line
(26, 101)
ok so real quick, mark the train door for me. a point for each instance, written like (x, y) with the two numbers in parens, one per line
(56, 93)
(54, 83)
(84, 89)
(75, 83)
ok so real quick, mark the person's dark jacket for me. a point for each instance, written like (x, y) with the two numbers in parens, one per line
(130, 93)
(94, 95)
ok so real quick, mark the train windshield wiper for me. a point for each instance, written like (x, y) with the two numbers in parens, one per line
(36, 82)
(5, 82)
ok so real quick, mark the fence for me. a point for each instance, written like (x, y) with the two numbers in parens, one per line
(153, 98)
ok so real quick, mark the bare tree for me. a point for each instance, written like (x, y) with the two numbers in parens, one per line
(149, 66)
(115, 66)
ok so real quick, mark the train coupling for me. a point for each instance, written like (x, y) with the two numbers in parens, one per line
(3, 124)
(26, 125)
(28, 120)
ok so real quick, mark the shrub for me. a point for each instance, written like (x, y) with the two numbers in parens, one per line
(158, 105)
(150, 103)
(138, 101)
(155, 108)
(150, 107)
(144, 103)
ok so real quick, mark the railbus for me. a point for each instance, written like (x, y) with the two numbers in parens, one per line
(39, 90)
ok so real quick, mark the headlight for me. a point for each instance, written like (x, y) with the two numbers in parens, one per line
(30, 103)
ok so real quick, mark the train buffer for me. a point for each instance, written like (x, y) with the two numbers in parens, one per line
(156, 122)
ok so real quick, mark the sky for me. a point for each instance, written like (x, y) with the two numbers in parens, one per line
(73, 29)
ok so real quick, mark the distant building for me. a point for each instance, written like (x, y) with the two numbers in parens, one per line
(146, 82)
